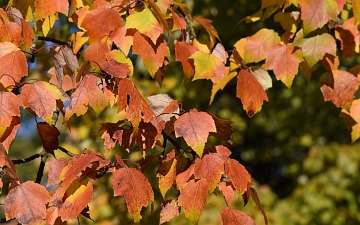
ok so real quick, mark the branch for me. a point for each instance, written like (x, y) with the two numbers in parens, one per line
(65, 151)
(52, 40)
(166, 137)
(40, 173)
(29, 159)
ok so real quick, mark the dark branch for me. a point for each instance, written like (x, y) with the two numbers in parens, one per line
(29, 159)
(65, 151)
(52, 40)
(167, 137)
(40, 172)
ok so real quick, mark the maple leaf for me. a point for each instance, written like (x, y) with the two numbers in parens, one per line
(10, 132)
(316, 13)
(166, 180)
(210, 167)
(9, 108)
(258, 46)
(49, 136)
(223, 129)
(169, 209)
(164, 106)
(152, 55)
(284, 61)
(353, 119)
(120, 57)
(314, 48)
(97, 51)
(349, 36)
(147, 135)
(94, 23)
(13, 67)
(192, 199)
(208, 66)
(87, 93)
(56, 167)
(123, 39)
(78, 195)
(183, 177)
(132, 101)
(6, 48)
(27, 203)
(262, 76)
(195, 127)
(250, 92)
(183, 51)
(10, 32)
(240, 177)
(342, 93)
(179, 23)
(41, 98)
(206, 23)
(146, 23)
(227, 192)
(134, 187)
(231, 216)
(220, 85)
(115, 69)
(45, 8)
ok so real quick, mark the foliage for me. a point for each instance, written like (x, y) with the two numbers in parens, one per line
(96, 70)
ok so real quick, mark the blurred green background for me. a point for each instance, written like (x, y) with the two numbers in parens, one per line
(297, 149)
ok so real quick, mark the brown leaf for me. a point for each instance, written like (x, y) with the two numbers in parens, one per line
(167, 179)
(192, 199)
(169, 209)
(251, 93)
(345, 86)
(349, 35)
(195, 127)
(223, 129)
(115, 69)
(235, 217)
(240, 177)
(134, 187)
(27, 203)
(49, 136)
(56, 167)
(146, 136)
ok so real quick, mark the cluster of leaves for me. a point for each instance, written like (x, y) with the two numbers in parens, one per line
(111, 32)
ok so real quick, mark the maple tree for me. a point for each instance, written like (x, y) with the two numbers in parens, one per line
(94, 69)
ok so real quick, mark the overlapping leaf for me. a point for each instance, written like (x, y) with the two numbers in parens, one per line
(240, 177)
(250, 92)
(146, 23)
(10, 132)
(87, 93)
(152, 54)
(166, 180)
(349, 36)
(134, 187)
(192, 199)
(343, 90)
(258, 45)
(315, 48)
(195, 127)
(41, 98)
(13, 67)
(316, 13)
(183, 51)
(208, 66)
(284, 61)
(9, 108)
(27, 203)
(45, 8)
(97, 51)
(56, 167)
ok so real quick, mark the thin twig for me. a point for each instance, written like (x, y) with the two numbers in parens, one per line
(29, 159)
(40, 172)
(52, 40)
(65, 151)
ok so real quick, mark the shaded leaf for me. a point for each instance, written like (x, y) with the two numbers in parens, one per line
(231, 216)
(284, 61)
(345, 86)
(349, 35)
(115, 69)
(27, 203)
(167, 180)
(49, 136)
(223, 129)
(164, 106)
(206, 23)
(179, 22)
(258, 46)
(227, 192)
(183, 177)
(56, 167)
(195, 127)
(41, 98)
(10, 133)
(134, 187)
(192, 199)
(169, 209)
(183, 51)
(250, 92)
(9, 108)
(78, 195)
(316, 13)
(5, 161)
(97, 51)
(122, 38)
(314, 48)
